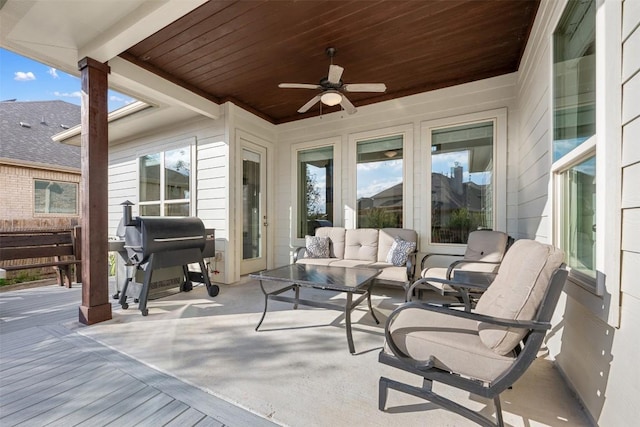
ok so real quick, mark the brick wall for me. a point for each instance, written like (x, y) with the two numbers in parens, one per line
(17, 191)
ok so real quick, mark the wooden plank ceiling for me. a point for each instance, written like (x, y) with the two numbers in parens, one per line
(240, 50)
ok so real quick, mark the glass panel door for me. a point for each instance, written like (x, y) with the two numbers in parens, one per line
(254, 220)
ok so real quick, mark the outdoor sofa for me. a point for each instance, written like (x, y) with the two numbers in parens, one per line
(391, 250)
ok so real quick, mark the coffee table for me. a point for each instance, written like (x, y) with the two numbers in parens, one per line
(339, 279)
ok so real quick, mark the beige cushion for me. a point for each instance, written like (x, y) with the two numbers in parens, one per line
(390, 272)
(315, 261)
(388, 235)
(336, 237)
(438, 273)
(349, 263)
(452, 341)
(517, 291)
(486, 245)
(361, 244)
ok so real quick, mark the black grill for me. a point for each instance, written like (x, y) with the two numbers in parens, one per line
(151, 243)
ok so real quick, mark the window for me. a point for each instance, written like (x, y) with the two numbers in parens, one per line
(315, 188)
(165, 180)
(461, 181)
(574, 89)
(55, 197)
(579, 217)
(574, 141)
(379, 179)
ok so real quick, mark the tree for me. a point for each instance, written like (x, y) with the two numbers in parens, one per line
(312, 196)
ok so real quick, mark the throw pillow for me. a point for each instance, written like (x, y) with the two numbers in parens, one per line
(317, 247)
(400, 251)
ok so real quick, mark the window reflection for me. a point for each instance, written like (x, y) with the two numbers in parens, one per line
(379, 183)
(315, 190)
(461, 181)
(579, 233)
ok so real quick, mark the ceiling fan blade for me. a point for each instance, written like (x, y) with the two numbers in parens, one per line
(309, 104)
(347, 105)
(298, 86)
(365, 87)
(335, 73)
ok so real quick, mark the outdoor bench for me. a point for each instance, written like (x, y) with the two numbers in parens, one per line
(42, 248)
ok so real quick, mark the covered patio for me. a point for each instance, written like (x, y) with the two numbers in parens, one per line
(207, 75)
(198, 361)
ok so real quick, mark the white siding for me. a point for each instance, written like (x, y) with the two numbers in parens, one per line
(594, 349)
(210, 168)
(534, 133)
(407, 113)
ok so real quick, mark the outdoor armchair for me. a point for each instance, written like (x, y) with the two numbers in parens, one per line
(479, 264)
(485, 351)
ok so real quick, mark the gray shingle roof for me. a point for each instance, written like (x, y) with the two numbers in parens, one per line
(34, 143)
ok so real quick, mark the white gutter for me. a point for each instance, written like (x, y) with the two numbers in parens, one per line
(113, 116)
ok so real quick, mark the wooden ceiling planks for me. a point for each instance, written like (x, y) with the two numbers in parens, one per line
(241, 50)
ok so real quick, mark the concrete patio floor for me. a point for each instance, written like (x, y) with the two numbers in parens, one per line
(295, 371)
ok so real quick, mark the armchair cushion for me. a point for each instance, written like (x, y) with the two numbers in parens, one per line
(452, 341)
(317, 247)
(517, 291)
(400, 251)
(486, 245)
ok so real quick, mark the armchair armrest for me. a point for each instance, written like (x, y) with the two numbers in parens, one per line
(462, 287)
(509, 323)
(411, 265)
(299, 253)
(424, 258)
(459, 262)
(423, 365)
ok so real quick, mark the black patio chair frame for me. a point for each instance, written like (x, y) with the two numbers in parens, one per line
(526, 354)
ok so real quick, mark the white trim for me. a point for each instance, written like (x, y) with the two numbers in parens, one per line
(189, 143)
(607, 145)
(406, 131)
(245, 139)
(499, 118)
(153, 89)
(335, 143)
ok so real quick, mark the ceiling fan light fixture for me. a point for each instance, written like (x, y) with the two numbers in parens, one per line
(331, 98)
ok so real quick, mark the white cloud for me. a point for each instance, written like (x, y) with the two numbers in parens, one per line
(382, 164)
(53, 73)
(76, 94)
(21, 76)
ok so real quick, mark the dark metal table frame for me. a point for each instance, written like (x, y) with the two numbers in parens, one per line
(338, 279)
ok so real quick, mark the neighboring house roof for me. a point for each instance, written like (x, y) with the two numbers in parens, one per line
(26, 129)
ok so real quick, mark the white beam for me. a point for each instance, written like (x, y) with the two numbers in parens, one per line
(150, 17)
(153, 89)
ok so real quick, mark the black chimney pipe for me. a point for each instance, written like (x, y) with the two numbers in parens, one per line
(127, 216)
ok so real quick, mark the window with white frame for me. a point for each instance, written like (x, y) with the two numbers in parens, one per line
(574, 138)
(315, 189)
(379, 182)
(55, 197)
(165, 182)
(462, 181)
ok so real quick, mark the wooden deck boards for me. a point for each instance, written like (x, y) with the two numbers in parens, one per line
(52, 376)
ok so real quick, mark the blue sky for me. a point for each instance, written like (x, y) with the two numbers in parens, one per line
(26, 80)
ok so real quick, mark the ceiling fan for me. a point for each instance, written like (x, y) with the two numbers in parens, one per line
(332, 88)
